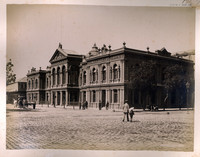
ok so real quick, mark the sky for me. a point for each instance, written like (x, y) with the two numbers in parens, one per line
(34, 31)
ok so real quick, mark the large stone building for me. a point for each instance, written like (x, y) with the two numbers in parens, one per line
(103, 75)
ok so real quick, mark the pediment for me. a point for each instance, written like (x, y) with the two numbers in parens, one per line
(57, 56)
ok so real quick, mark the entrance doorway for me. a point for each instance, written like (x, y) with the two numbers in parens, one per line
(103, 98)
(58, 98)
(54, 97)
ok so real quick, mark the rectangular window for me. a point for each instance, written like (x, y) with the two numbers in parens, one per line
(94, 96)
(115, 96)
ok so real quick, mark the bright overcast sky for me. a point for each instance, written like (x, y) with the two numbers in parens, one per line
(34, 31)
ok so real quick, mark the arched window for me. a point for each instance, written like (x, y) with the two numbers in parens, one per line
(36, 83)
(84, 77)
(63, 75)
(54, 76)
(104, 74)
(115, 71)
(94, 75)
(58, 75)
(110, 73)
(29, 84)
(32, 84)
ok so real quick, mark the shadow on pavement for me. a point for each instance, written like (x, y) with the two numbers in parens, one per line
(22, 110)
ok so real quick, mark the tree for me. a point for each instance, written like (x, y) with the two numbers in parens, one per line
(175, 79)
(142, 77)
(10, 77)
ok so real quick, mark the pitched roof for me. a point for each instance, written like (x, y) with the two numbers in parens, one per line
(24, 79)
(64, 52)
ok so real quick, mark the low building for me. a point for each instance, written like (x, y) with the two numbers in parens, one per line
(16, 90)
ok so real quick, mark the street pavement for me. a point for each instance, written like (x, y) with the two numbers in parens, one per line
(93, 129)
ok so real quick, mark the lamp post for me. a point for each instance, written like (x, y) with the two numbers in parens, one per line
(187, 87)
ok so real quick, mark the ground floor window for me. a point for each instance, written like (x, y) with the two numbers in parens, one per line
(115, 95)
(94, 96)
(84, 96)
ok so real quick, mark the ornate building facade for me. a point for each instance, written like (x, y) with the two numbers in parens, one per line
(101, 76)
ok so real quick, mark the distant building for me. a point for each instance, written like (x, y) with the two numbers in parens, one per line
(58, 85)
(103, 75)
(16, 90)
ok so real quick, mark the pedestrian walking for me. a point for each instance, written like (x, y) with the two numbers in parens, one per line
(15, 103)
(86, 104)
(126, 110)
(20, 103)
(131, 112)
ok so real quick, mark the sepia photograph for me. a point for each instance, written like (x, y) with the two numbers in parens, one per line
(86, 77)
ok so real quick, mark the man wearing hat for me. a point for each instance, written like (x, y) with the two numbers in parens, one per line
(126, 110)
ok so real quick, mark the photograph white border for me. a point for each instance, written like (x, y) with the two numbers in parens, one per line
(88, 153)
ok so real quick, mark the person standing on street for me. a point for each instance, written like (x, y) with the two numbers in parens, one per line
(126, 110)
(107, 105)
(131, 112)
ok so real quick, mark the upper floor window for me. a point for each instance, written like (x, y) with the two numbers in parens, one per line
(63, 75)
(32, 84)
(54, 76)
(94, 75)
(36, 83)
(103, 73)
(73, 75)
(115, 71)
(29, 84)
(58, 75)
(110, 73)
(84, 77)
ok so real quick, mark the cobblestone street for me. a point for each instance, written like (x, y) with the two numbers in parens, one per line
(59, 128)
